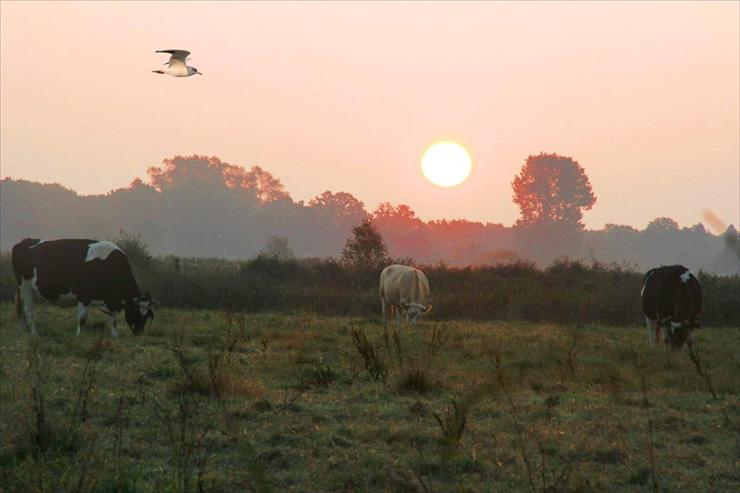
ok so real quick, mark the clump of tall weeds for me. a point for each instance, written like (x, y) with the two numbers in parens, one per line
(416, 371)
(573, 346)
(531, 441)
(452, 425)
(316, 372)
(235, 327)
(370, 354)
(413, 366)
(694, 357)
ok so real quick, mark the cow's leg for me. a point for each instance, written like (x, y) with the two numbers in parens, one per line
(19, 315)
(667, 334)
(27, 301)
(385, 312)
(82, 312)
(652, 327)
(398, 316)
(112, 322)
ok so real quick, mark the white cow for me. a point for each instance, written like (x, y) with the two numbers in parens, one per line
(404, 288)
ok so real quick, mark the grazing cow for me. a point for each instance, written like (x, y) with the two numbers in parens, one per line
(404, 288)
(671, 299)
(78, 272)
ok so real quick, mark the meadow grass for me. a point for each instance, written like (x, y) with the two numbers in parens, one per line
(215, 401)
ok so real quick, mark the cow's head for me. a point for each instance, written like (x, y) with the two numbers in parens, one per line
(138, 311)
(680, 325)
(415, 310)
(678, 332)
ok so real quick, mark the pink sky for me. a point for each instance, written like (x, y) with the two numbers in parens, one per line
(346, 96)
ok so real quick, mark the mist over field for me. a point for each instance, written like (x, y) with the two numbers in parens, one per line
(201, 206)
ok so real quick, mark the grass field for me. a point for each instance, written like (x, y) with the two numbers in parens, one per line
(210, 401)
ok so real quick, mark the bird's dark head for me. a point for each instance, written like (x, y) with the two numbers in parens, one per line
(195, 71)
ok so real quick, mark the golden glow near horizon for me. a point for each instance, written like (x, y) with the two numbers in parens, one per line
(345, 107)
(446, 164)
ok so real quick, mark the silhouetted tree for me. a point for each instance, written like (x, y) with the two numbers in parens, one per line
(266, 187)
(661, 225)
(462, 242)
(278, 248)
(365, 247)
(405, 233)
(210, 172)
(552, 189)
(331, 217)
(615, 243)
(340, 207)
(552, 192)
(547, 241)
(729, 259)
(136, 250)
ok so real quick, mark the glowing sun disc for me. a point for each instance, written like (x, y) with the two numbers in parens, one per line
(446, 164)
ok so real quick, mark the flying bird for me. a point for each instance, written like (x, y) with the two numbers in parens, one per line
(176, 66)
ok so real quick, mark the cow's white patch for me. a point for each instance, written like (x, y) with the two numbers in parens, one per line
(644, 283)
(686, 276)
(34, 282)
(100, 250)
(675, 326)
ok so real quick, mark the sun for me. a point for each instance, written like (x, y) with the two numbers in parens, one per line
(446, 164)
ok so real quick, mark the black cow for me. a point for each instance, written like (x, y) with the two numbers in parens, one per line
(78, 272)
(671, 299)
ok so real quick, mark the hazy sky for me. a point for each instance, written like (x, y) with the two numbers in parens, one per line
(346, 96)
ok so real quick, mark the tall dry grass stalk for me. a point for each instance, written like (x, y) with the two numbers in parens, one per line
(694, 356)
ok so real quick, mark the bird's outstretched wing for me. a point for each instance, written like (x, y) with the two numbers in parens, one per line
(177, 57)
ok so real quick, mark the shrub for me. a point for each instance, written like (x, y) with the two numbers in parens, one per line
(136, 250)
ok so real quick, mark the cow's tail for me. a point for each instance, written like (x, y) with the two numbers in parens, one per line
(18, 303)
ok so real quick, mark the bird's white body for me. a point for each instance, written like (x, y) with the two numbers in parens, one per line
(179, 71)
(176, 66)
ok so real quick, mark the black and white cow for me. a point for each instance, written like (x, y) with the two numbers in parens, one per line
(671, 300)
(78, 272)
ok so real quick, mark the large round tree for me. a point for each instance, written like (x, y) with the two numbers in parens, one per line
(552, 189)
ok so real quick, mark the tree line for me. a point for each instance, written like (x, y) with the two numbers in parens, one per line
(200, 206)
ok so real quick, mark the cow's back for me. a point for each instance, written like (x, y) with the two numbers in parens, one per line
(415, 286)
(389, 284)
(402, 283)
(664, 288)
